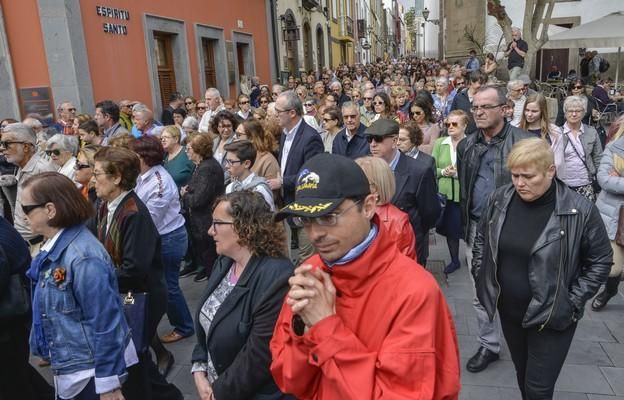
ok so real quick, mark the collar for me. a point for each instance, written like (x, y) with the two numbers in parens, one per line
(246, 180)
(567, 129)
(358, 250)
(290, 133)
(30, 165)
(395, 160)
(498, 137)
(60, 241)
(49, 244)
(112, 129)
(112, 205)
(145, 176)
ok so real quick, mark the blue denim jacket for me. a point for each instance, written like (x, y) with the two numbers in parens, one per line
(82, 316)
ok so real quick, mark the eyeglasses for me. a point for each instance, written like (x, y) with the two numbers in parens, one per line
(7, 143)
(330, 219)
(377, 139)
(309, 104)
(217, 223)
(56, 152)
(454, 124)
(98, 174)
(163, 138)
(378, 103)
(243, 102)
(78, 166)
(29, 208)
(231, 162)
(417, 112)
(486, 107)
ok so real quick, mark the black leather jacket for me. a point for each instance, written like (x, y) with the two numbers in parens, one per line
(569, 261)
(469, 152)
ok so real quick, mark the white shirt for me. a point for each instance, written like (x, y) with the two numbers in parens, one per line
(69, 385)
(575, 173)
(157, 189)
(112, 206)
(290, 136)
(68, 168)
(266, 194)
(204, 124)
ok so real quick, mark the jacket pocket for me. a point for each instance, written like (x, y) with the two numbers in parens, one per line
(563, 313)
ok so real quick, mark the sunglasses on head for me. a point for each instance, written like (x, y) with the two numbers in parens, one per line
(377, 139)
(56, 152)
(454, 124)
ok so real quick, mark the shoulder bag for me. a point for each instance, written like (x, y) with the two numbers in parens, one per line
(135, 311)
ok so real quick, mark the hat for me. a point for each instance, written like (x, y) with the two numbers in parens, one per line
(324, 182)
(382, 127)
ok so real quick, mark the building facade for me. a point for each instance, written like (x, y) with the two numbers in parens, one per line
(85, 51)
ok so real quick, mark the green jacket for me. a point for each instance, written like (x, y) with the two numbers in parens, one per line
(448, 186)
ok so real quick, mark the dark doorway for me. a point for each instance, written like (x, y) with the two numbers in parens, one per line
(210, 72)
(549, 57)
(164, 62)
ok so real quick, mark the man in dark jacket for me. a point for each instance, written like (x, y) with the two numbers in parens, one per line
(351, 142)
(481, 168)
(335, 88)
(175, 101)
(463, 99)
(416, 188)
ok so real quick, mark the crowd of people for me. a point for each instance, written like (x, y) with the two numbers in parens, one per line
(305, 212)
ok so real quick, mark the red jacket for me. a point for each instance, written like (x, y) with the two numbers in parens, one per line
(392, 336)
(397, 223)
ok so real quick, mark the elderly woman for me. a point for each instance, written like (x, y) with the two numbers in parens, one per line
(62, 150)
(242, 301)
(244, 108)
(442, 99)
(78, 322)
(156, 188)
(610, 200)
(383, 186)
(176, 162)
(540, 253)
(445, 156)
(579, 150)
(410, 137)
(421, 111)
(190, 124)
(125, 227)
(205, 185)
(224, 124)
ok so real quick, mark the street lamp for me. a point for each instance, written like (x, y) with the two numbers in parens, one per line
(425, 14)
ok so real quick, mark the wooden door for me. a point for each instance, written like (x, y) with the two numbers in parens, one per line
(210, 72)
(164, 62)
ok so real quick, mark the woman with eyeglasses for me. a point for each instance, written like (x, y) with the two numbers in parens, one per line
(243, 297)
(62, 150)
(421, 111)
(332, 125)
(176, 161)
(577, 88)
(224, 124)
(198, 196)
(190, 105)
(445, 155)
(84, 172)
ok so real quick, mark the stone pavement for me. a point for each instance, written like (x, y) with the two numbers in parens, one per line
(594, 369)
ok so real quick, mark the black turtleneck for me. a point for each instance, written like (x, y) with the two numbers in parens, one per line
(523, 225)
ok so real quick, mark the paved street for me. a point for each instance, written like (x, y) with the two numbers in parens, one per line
(594, 369)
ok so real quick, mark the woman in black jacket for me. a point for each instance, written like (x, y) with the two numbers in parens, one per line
(205, 185)
(540, 253)
(243, 297)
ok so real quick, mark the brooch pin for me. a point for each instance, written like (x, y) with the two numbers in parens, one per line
(58, 274)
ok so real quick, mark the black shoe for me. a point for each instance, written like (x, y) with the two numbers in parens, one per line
(188, 270)
(201, 276)
(481, 360)
(452, 267)
(165, 364)
(610, 290)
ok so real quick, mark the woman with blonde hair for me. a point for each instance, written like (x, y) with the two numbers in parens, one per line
(383, 186)
(534, 118)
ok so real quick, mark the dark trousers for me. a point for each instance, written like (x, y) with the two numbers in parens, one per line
(146, 383)
(537, 356)
(18, 379)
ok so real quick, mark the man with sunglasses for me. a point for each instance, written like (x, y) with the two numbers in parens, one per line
(481, 169)
(66, 112)
(19, 146)
(350, 141)
(416, 188)
(367, 112)
(361, 320)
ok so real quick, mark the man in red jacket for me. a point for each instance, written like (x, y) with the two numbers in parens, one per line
(361, 320)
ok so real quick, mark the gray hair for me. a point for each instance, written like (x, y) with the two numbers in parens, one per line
(512, 84)
(138, 107)
(334, 84)
(34, 123)
(515, 29)
(292, 102)
(572, 101)
(442, 80)
(501, 97)
(22, 132)
(213, 91)
(347, 105)
(191, 123)
(65, 142)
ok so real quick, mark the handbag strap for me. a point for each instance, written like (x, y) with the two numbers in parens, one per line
(578, 154)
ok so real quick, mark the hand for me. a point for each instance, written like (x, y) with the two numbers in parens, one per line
(451, 171)
(114, 395)
(204, 390)
(312, 294)
(275, 183)
(183, 190)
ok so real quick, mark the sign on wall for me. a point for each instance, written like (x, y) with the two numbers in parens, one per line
(116, 14)
(37, 100)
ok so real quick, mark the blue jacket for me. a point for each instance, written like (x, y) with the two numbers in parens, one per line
(355, 148)
(81, 314)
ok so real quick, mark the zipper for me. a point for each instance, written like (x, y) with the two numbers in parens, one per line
(552, 309)
(495, 266)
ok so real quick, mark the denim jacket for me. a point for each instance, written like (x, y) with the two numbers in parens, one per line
(81, 312)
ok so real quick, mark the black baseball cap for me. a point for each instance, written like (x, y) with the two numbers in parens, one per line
(324, 182)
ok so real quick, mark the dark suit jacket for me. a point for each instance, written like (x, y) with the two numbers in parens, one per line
(306, 144)
(355, 148)
(167, 116)
(239, 335)
(417, 195)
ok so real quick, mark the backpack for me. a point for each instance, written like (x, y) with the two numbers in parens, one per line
(604, 65)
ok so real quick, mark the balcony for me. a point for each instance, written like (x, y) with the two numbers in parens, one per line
(346, 26)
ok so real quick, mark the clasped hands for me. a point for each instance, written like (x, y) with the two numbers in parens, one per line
(312, 294)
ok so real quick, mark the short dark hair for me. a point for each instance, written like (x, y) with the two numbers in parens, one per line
(109, 107)
(175, 96)
(220, 116)
(90, 127)
(201, 143)
(244, 150)
(122, 162)
(149, 148)
(414, 132)
(180, 111)
(478, 76)
(335, 113)
(72, 207)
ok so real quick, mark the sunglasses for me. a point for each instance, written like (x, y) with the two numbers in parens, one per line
(29, 208)
(309, 104)
(56, 152)
(189, 102)
(417, 112)
(453, 124)
(377, 139)
(378, 103)
(78, 166)
(201, 108)
(263, 102)
(579, 87)
(243, 102)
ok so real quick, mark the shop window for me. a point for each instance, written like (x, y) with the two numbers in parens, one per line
(210, 71)
(164, 62)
